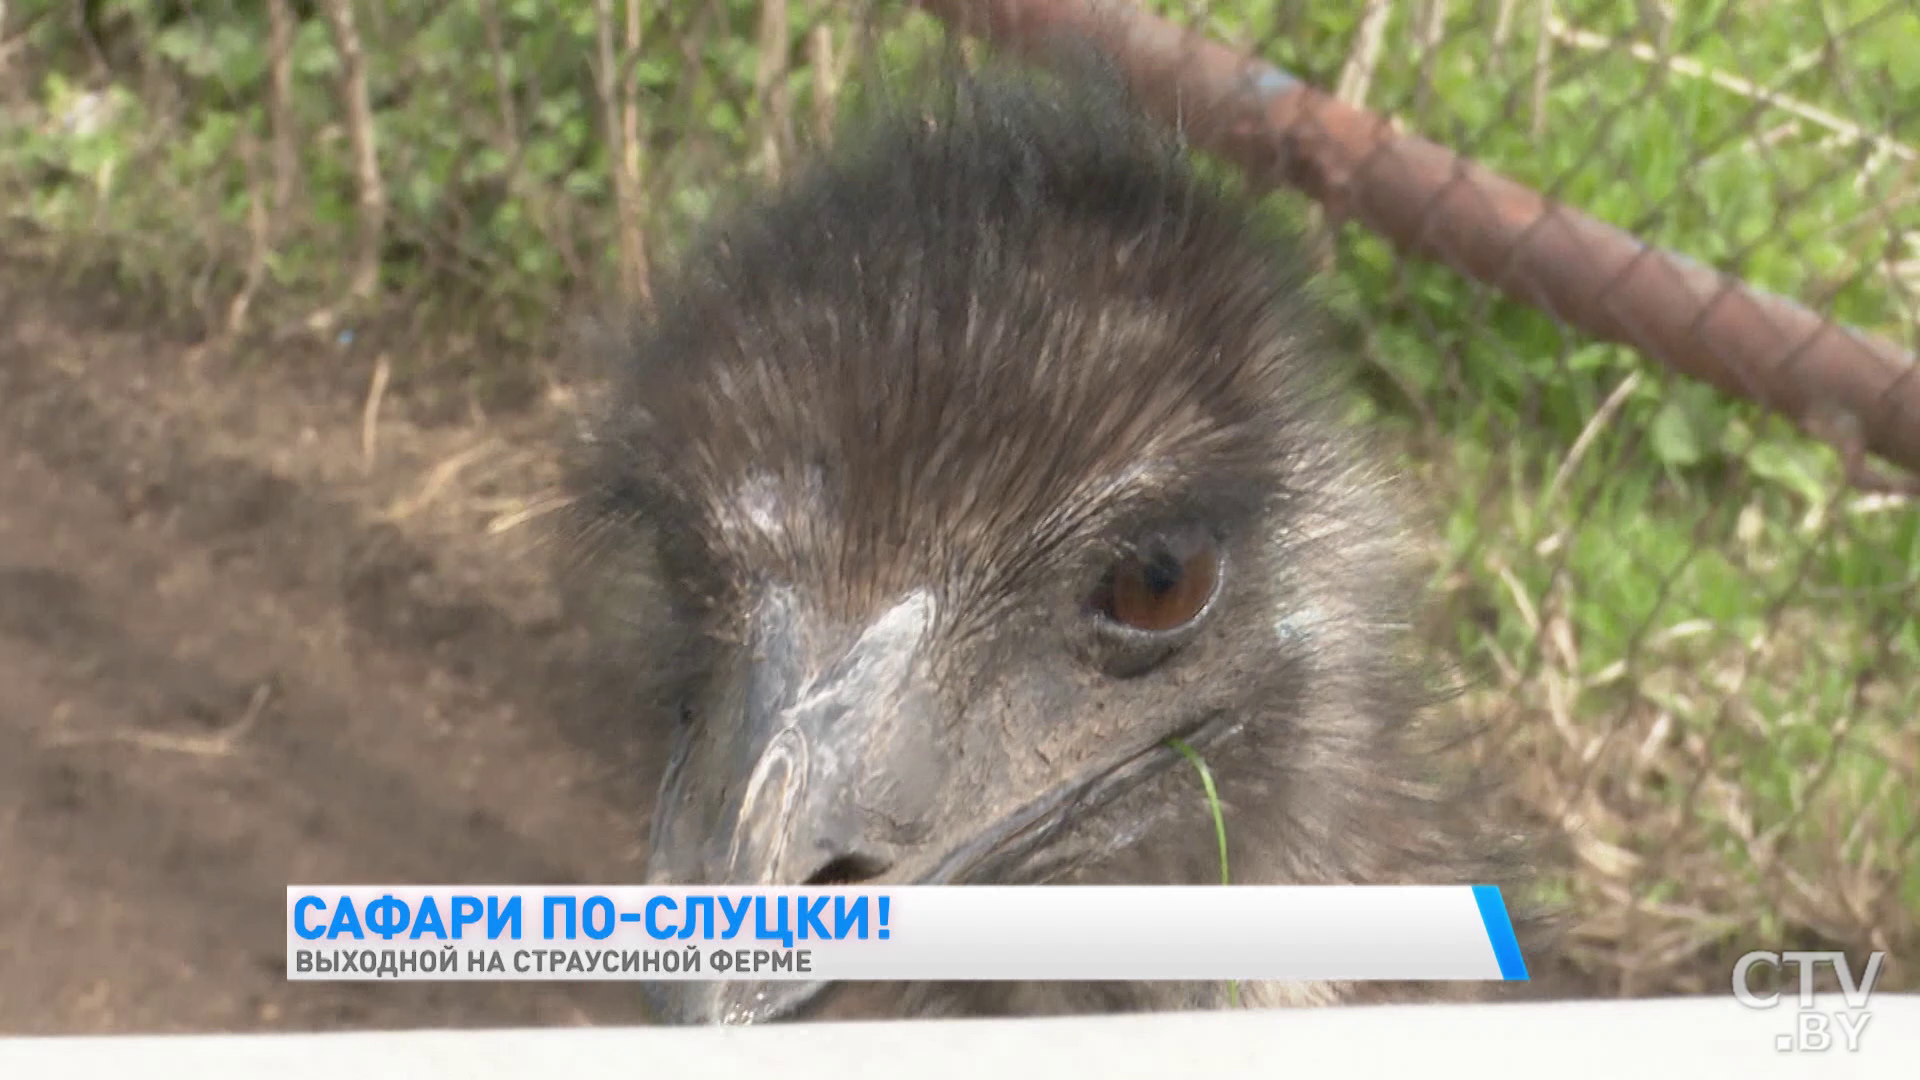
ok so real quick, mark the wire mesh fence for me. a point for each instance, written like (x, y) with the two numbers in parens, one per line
(1672, 574)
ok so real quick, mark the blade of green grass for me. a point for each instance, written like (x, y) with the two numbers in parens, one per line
(1219, 831)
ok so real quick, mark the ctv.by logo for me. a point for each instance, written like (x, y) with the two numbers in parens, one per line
(1813, 1029)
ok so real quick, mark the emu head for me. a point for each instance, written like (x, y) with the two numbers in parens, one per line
(967, 471)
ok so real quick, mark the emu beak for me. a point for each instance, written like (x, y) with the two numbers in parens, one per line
(827, 773)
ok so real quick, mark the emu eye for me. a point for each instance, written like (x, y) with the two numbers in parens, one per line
(1162, 586)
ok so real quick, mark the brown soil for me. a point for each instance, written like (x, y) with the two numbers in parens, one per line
(234, 656)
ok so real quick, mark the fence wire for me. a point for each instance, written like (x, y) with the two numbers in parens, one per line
(1688, 602)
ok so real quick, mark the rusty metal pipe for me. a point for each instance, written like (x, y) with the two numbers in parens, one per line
(1838, 384)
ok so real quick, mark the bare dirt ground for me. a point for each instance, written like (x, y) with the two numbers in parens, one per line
(233, 656)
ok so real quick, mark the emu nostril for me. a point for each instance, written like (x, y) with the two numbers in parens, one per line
(848, 870)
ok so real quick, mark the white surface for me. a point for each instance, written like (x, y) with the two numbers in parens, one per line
(932, 933)
(1700, 1039)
